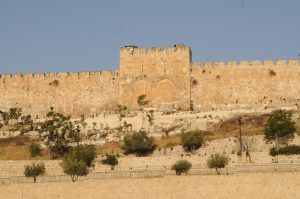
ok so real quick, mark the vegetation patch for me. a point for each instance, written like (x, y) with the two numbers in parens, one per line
(138, 143)
(217, 161)
(181, 166)
(191, 141)
(35, 149)
(54, 83)
(34, 170)
(111, 160)
(286, 150)
(272, 72)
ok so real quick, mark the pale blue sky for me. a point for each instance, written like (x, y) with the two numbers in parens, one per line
(82, 35)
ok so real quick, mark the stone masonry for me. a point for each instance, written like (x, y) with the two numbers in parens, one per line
(166, 76)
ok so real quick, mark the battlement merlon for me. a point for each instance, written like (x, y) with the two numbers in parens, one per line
(243, 64)
(131, 49)
(133, 59)
(57, 75)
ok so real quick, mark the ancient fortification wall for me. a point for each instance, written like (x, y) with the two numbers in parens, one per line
(162, 74)
(72, 93)
(246, 85)
(165, 75)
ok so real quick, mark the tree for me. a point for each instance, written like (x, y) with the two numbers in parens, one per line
(122, 111)
(217, 161)
(142, 102)
(57, 131)
(74, 168)
(138, 143)
(191, 141)
(34, 170)
(244, 142)
(84, 153)
(111, 160)
(35, 149)
(181, 166)
(13, 120)
(280, 126)
(150, 116)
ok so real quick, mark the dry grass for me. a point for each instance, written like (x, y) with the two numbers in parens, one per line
(110, 147)
(234, 133)
(17, 149)
(298, 128)
(168, 141)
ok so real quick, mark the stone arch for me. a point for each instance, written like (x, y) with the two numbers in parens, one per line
(165, 91)
(139, 88)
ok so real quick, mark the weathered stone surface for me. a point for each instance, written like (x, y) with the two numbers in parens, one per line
(166, 76)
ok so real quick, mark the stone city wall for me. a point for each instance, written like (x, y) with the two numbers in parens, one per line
(166, 76)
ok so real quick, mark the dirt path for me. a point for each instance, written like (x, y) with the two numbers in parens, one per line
(241, 186)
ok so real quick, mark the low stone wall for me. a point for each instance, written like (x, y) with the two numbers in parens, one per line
(236, 169)
(92, 175)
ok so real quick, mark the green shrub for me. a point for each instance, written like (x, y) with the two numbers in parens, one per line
(217, 161)
(85, 153)
(280, 126)
(138, 143)
(74, 168)
(273, 151)
(181, 166)
(34, 170)
(287, 150)
(58, 150)
(111, 160)
(191, 141)
(35, 149)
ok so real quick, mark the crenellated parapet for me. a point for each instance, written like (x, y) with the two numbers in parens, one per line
(52, 75)
(165, 75)
(250, 64)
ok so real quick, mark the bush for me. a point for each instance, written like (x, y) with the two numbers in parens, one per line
(34, 170)
(280, 126)
(273, 151)
(111, 160)
(85, 153)
(191, 141)
(138, 143)
(217, 161)
(74, 168)
(287, 150)
(35, 149)
(181, 166)
(58, 150)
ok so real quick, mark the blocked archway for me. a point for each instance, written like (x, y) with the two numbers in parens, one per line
(166, 91)
(141, 87)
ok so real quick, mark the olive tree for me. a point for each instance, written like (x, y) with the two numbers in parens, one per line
(138, 143)
(191, 141)
(74, 168)
(85, 153)
(181, 166)
(57, 131)
(34, 170)
(217, 161)
(111, 160)
(280, 127)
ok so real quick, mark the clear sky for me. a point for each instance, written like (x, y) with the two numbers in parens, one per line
(82, 35)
